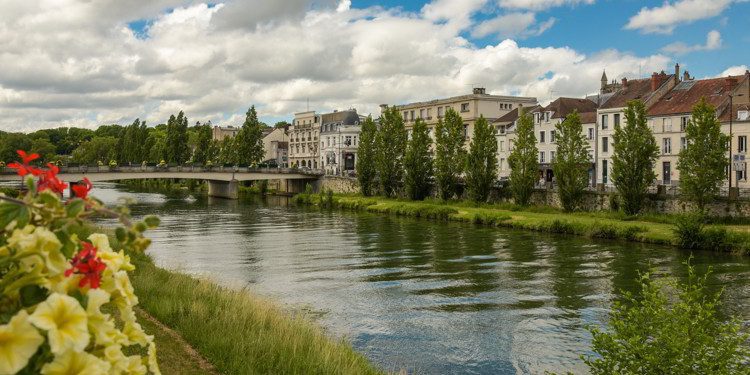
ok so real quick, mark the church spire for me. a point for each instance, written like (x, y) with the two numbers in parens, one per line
(604, 80)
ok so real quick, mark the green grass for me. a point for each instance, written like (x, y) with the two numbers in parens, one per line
(240, 333)
(649, 228)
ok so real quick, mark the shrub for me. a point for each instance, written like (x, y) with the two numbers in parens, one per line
(688, 230)
(670, 328)
(59, 281)
(604, 231)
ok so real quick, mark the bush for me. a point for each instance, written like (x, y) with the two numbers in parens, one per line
(689, 230)
(670, 328)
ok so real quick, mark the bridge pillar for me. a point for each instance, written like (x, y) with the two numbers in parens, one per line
(223, 189)
(294, 186)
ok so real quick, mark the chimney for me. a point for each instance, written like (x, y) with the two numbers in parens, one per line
(654, 81)
(677, 71)
(624, 82)
(686, 76)
(479, 91)
(731, 82)
(383, 107)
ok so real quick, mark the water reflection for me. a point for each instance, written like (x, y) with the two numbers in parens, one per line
(425, 296)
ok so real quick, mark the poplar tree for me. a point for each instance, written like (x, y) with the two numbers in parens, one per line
(177, 150)
(449, 153)
(366, 153)
(481, 162)
(702, 163)
(418, 162)
(572, 161)
(390, 143)
(635, 152)
(249, 142)
(523, 161)
(203, 144)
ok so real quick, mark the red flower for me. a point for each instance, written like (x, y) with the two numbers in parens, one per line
(25, 169)
(48, 180)
(27, 158)
(81, 190)
(89, 265)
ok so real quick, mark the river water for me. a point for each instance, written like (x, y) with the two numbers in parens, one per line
(418, 295)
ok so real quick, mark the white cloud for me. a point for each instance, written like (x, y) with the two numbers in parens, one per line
(79, 64)
(713, 42)
(734, 71)
(512, 25)
(665, 18)
(540, 4)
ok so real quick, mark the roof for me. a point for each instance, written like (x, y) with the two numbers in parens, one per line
(632, 90)
(466, 97)
(348, 117)
(562, 107)
(513, 115)
(686, 94)
(588, 117)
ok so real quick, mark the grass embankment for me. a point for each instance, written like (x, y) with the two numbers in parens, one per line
(239, 333)
(649, 228)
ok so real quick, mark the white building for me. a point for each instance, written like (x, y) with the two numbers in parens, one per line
(339, 133)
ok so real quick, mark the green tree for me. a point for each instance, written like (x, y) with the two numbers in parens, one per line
(481, 162)
(177, 150)
(366, 155)
(98, 149)
(249, 142)
(44, 148)
(418, 162)
(203, 151)
(10, 142)
(671, 328)
(391, 142)
(281, 124)
(572, 162)
(635, 152)
(523, 160)
(702, 162)
(228, 151)
(449, 153)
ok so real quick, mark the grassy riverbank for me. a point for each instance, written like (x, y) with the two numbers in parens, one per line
(240, 333)
(656, 229)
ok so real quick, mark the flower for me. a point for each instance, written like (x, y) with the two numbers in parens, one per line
(89, 265)
(73, 362)
(82, 189)
(19, 340)
(25, 169)
(65, 322)
(48, 180)
(38, 240)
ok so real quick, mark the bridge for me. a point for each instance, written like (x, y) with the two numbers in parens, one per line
(222, 181)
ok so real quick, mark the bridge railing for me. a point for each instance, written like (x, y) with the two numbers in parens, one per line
(84, 169)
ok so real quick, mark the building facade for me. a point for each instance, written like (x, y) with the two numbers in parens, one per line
(612, 113)
(669, 116)
(276, 148)
(303, 140)
(470, 107)
(339, 133)
(218, 133)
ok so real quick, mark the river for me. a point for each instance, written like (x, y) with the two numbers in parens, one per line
(418, 295)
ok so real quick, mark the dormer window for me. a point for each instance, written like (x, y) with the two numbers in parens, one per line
(743, 115)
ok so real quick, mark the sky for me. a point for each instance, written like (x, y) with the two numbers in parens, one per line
(87, 63)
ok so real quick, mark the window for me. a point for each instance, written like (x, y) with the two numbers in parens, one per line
(546, 116)
(502, 163)
(605, 144)
(541, 136)
(429, 113)
(441, 112)
(355, 140)
(510, 145)
(683, 123)
(742, 143)
(501, 129)
(591, 134)
(501, 146)
(406, 115)
(464, 107)
(411, 113)
(683, 143)
(666, 146)
(421, 113)
(616, 119)
(605, 119)
(551, 156)
(541, 156)
(466, 130)
(605, 172)
(551, 136)
(328, 140)
(348, 141)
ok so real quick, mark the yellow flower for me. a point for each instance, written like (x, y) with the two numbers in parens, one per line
(135, 365)
(32, 240)
(65, 322)
(153, 364)
(78, 363)
(19, 340)
(101, 325)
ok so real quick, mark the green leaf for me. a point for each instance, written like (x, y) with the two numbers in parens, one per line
(69, 247)
(152, 221)
(17, 212)
(75, 207)
(32, 294)
(121, 234)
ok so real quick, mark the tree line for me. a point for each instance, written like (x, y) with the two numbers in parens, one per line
(391, 162)
(172, 143)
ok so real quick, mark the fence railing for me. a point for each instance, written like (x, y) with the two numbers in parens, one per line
(85, 169)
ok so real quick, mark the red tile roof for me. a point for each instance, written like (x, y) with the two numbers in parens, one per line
(632, 90)
(588, 117)
(513, 115)
(562, 107)
(686, 94)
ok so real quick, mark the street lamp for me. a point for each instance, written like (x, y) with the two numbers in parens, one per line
(731, 140)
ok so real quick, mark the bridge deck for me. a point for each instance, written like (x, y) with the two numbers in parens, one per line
(187, 172)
